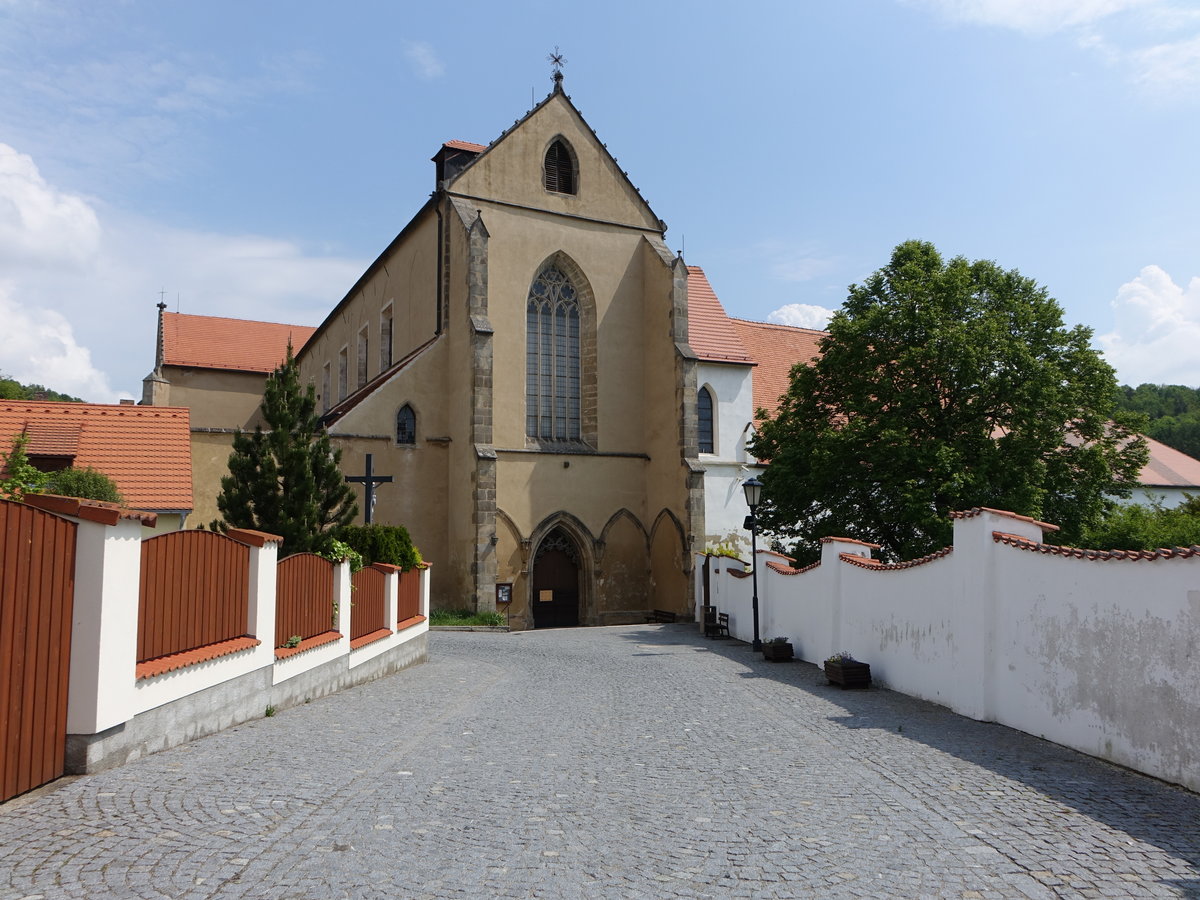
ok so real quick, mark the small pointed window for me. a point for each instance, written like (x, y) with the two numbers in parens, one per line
(704, 414)
(559, 172)
(406, 425)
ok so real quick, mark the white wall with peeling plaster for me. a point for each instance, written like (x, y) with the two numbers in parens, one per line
(1098, 654)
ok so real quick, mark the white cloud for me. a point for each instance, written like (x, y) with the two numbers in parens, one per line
(789, 261)
(1173, 67)
(38, 346)
(1156, 42)
(38, 224)
(1157, 330)
(424, 60)
(77, 311)
(1033, 16)
(802, 315)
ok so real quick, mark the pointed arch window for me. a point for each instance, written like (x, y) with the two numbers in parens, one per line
(704, 416)
(559, 170)
(552, 358)
(406, 426)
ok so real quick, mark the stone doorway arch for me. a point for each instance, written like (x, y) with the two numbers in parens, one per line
(555, 581)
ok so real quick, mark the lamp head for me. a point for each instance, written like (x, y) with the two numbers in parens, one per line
(753, 488)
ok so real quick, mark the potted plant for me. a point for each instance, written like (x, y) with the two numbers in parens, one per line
(843, 669)
(777, 649)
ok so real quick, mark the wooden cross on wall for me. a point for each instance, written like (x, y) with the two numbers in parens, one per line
(369, 480)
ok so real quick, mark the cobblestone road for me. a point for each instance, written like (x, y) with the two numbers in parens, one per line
(628, 762)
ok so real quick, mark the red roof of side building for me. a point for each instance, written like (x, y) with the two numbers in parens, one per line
(465, 145)
(776, 348)
(211, 342)
(710, 333)
(1169, 468)
(144, 449)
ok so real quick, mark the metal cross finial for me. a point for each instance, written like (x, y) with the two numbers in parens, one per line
(557, 61)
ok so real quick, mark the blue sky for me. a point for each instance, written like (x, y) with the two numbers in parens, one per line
(251, 158)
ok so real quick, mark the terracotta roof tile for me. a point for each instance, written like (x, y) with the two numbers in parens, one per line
(1023, 543)
(53, 438)
(163, 664)
(212, 342)
(710, 332)
(776, 348)
(465, 145)
(144, 449)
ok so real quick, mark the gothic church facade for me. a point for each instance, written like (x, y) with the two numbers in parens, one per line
(518, 361)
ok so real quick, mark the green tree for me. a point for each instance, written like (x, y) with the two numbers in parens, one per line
(286, 479)
(1147, 527)
(11, 389)
(86, 482)
(943, 386)
(20, 476)
(1173, 411)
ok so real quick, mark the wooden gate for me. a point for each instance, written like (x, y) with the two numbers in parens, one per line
(555, 580)
(37, 590)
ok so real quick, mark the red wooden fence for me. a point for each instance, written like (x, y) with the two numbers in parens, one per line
(303, 597)
(369, 611)
(410, 595)
(37, 589)
(195, 591)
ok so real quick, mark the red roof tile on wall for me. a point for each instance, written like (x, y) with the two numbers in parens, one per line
(144, 449)
(710, 332)
(211, 342)
(776, 348)
(465, 145)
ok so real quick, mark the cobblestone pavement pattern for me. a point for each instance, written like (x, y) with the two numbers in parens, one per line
(627, 762)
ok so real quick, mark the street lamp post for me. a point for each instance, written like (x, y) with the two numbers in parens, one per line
(753, 488)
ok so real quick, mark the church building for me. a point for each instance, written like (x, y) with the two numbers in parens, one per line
(517, 360)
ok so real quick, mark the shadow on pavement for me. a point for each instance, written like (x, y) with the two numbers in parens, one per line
(1147, 809)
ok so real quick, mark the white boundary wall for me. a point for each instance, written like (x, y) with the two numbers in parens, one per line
(1087, 649)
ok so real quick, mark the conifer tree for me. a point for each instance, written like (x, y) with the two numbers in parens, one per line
(286, 479)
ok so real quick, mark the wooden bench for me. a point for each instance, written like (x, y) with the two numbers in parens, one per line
(661, 617)
(716, 625)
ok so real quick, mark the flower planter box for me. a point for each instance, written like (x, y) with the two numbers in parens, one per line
(848, 673)
(777, 652)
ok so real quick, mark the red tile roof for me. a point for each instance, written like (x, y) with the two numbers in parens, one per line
(710, 333)
(211, 342)
(776, 348)
(1169, 468)
(465, 145)
(144, 449)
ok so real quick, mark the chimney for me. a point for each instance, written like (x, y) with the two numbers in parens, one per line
(453, 158)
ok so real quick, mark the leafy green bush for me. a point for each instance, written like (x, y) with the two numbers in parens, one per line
(381, 543)
(86, 483)
(1150, 527)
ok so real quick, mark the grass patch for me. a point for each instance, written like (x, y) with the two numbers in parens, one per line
(464, 617)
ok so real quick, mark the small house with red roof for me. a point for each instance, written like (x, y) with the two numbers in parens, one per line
(144, 450)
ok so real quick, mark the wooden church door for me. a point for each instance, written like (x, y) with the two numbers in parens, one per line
(556, 582)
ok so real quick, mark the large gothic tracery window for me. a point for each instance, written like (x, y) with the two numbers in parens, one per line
(552, 358)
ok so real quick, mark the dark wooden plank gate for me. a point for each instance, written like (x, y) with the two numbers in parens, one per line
(555, 580)
(37, 591)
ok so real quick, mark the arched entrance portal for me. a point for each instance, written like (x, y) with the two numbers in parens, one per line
(555, 599)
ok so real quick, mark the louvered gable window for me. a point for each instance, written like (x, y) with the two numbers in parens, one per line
(552, 358)
(560, 168)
